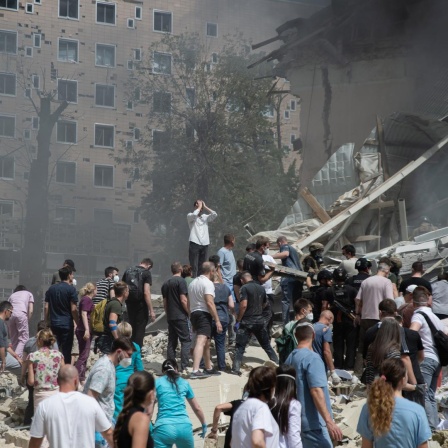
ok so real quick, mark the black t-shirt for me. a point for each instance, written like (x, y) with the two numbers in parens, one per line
(415, 281)
(235, 405)
(345, 295)
(253, 262)
(414, 343)
(237, 279)
(317, 297)
(256, 298)
(356, 280)
(171, 291)
(113, 306)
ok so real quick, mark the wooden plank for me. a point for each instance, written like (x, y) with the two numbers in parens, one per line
(381, 146)
(377, 205)
(377, 192)
(315, 205)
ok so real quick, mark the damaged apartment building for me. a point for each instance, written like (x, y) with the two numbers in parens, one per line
(84, 52)
(372, 78)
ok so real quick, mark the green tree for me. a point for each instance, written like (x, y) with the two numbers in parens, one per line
(208, 136)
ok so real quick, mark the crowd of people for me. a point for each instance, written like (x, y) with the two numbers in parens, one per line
(375, 326)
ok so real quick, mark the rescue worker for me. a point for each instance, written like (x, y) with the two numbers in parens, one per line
(424, 227)
(317, 292)
(363, 266)
(313, 261)
(345, 333)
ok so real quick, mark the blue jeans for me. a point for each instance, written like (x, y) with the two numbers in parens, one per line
(220, 344)
(165, 436)
(316, 438)
(430, 369)
(292, 291)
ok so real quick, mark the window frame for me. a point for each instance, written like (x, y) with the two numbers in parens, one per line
(77, 50)
(141, 13)
(76, 132)
(13, 167)
(206, 29)
(5, 8)
(6, 202)
(6, 74)
(113, 135)
(106, 45)
(66, 163)
(11, 32)
(96, 95)
(95, 166)
(14, 117)
(153, 98)
(63, 221)
(69, 80)
(160, 11)
(109, 4)
(39, 35)
(161, 53)
(68, 17)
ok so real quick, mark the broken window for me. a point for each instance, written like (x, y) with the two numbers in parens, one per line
(68, 50)
(7, 84)
(66, 132)
(103, 176)
(105, 55)
(212, 29)
(161, 63)
(104, 135)
(68, 9)
(163, 21)
(105, 13)
(64, 215)
(8, 42)
(66, 172)
(162, 102)
(9, 4)
(7, 126)
(104, 95)
(68, 90)
(6, 209)
(6, 167)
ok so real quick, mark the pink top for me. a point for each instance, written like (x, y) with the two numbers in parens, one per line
(20, 300)
(373, 291)
(46, 363)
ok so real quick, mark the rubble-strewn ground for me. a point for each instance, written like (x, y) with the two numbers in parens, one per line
(347, 399)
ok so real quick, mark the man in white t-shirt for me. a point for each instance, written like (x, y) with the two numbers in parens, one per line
(199, 238)
(430, 367)
(69, 418)
(201, 295)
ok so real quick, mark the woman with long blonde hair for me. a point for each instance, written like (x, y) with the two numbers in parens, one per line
(388, 420)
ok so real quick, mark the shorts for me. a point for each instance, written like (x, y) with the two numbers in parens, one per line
(201, 322)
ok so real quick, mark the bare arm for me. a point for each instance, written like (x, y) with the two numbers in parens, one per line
(217, 412)
(93, 393)
(74, 310)
(309, 282)
(197, 409)
(243, 307)
(415, 326)
(46, 311)
(264, 278)
(318, 397)
(212, 309)
(109, 436)
(395, 290)
(30, 380)
(3, 358)
(35, 442)
(366, 443)
(420, 356)
(30, 310)
(25, 366)
(184, 303)
(258, 439)
(147, 296)
(85, 321)
(113, 324)
(327, 356)
(407, 363)
(281, 255)
(236, 290)
(231, 305)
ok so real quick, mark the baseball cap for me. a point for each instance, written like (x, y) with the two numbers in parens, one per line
(71, 264)
(411, 288)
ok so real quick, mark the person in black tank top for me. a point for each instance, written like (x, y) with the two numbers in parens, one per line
(133, 421)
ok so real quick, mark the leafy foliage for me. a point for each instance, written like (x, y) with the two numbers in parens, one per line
(207, 137)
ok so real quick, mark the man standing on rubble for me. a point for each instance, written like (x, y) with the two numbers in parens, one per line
(363, 266)
(318, 426)
(291, 287)
(253, 261)
(349, 252)
(373, 290)
(199, 237)
(175, 303)
(415, 279)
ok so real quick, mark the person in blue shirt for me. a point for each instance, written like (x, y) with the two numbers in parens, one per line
(173, 426)
(388, 420)
(124, 373)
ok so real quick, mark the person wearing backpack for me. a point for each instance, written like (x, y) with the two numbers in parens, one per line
(139, 305)
(113, 315)
(431, 365)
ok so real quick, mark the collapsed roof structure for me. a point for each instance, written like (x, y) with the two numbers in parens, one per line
(355, 64)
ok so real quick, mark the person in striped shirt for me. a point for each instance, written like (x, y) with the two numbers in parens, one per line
(105, 286)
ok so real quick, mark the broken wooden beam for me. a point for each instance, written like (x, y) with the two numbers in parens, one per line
(315, 205)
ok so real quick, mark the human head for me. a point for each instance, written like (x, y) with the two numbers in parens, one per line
(121, 290)
(88, 289)
(41, 325)
(339, 275)
(246, 277)
(147, 263)
(6, 309)
(348, 251)
(215, 260)
(262, 244)
(363, 265)
(186, 270)
(285, 392)
(261, 383)
(383, 269)
(387, 339)
(171, 370)
(20, 288)
(229, 240)
(121, 348)
(45, 338)
(124, 329)
(66, 274)
(239, 264)
(196, 204)
(250, 247)
(421, 296)
(110, 272)
(304, 332)
(408, 294)
(68, 378)
(381, 396)
(208, 270)
(302, 307)
(417, 268)
(325, 277)
(326, 317)
(281, 240)
(69, 263)
(139, 392)
(388, 308)
(176, 268)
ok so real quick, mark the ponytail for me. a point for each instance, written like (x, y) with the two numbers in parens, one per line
(88, 288)
(128, 403)
(169, 368)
